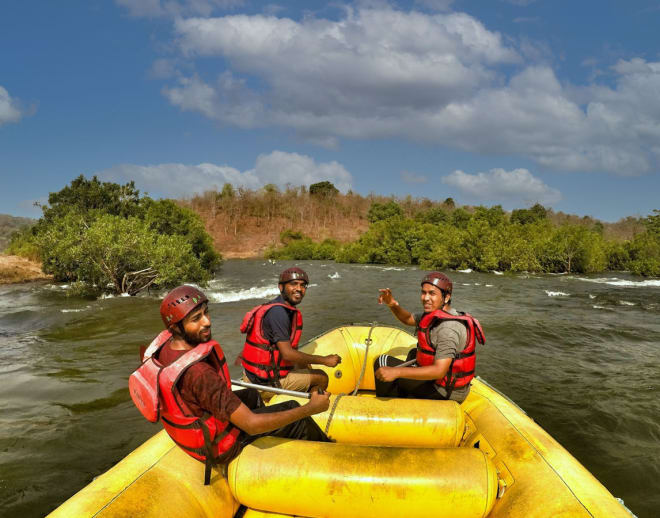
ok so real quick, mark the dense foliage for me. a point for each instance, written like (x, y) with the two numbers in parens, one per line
(483, 239)
(105, 237)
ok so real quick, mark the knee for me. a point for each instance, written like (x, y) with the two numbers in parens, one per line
(319, 379)
(381, 361)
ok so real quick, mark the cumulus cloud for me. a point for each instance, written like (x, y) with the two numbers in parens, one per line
(175, 8)
(507, 187)
(278, 167)
(357, 77)
(9, 109)
(443, 79)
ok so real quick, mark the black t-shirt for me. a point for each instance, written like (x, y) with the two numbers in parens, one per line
(276, 324)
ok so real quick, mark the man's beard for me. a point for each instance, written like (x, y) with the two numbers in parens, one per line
(288, 300)
(195, 340)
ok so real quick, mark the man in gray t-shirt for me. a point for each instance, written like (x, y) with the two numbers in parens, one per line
(448, 339)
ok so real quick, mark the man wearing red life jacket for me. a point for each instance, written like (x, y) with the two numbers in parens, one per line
(270, 355)
(184, 381)
(446, 349)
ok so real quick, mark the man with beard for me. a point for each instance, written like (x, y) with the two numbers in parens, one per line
(270, 354)
(184, 381)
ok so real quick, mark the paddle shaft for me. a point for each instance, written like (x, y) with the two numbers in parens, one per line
(286, 392)
(274, 390)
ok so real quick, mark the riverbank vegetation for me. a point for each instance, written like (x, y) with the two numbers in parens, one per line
(105, 237)
(437, 235)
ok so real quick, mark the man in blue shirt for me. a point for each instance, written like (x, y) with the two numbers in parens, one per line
(270, 355)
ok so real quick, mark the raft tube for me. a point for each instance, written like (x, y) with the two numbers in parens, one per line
(406, 423)
(319, 480)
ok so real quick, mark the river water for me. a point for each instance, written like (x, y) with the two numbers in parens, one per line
(580, 354)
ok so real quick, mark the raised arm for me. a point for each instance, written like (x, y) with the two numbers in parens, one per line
(404, 316)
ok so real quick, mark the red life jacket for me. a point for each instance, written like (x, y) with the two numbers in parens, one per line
(461, 370)
(260, 357)
(154, 392)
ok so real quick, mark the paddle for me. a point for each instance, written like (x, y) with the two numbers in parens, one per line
(271, 389)
(286, 392)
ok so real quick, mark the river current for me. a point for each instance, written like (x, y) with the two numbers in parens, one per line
(580, 354)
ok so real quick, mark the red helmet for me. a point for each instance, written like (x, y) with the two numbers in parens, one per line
(179, 302)
(293, 274)
(439, 280)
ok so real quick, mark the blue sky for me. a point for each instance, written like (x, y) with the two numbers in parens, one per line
(499, 101)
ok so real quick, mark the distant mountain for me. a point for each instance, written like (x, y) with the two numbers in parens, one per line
(9, 224)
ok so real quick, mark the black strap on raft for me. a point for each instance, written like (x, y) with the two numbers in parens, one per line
(208, 446)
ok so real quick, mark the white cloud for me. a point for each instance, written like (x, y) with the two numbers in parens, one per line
(433, 78)
(9, 110)
(175, 8)
(410, 177)
(356, 77)
(507, 187)
(278, 167)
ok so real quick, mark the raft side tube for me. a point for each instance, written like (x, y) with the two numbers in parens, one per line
(319, 480)
(157, 480)
(406, 423)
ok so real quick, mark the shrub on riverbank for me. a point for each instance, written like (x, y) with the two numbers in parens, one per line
(488, 239)
(105, 237)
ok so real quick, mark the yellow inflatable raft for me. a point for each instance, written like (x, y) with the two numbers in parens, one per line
(391, 458)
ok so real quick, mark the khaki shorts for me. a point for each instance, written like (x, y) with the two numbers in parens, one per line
(299, 379)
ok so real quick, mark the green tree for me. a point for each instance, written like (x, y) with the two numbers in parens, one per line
(85, 196)
(460, 218)
(652, 222)
(227, 191)
(644, 254)
(323, 190)
(493, 216)
(434, 215)
(527, 216)
(384, 211)
(104, 237)
(168, 218)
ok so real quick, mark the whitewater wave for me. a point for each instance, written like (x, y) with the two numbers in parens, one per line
(592, 296)
(113, 296)
(250, 293)
(598, 307)
(334, 276)
(77, 310)
(489, 285)
(626, 303)
(394, 268)
(613, 281)
(467, 270)
(498, 273)
(556, 293)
